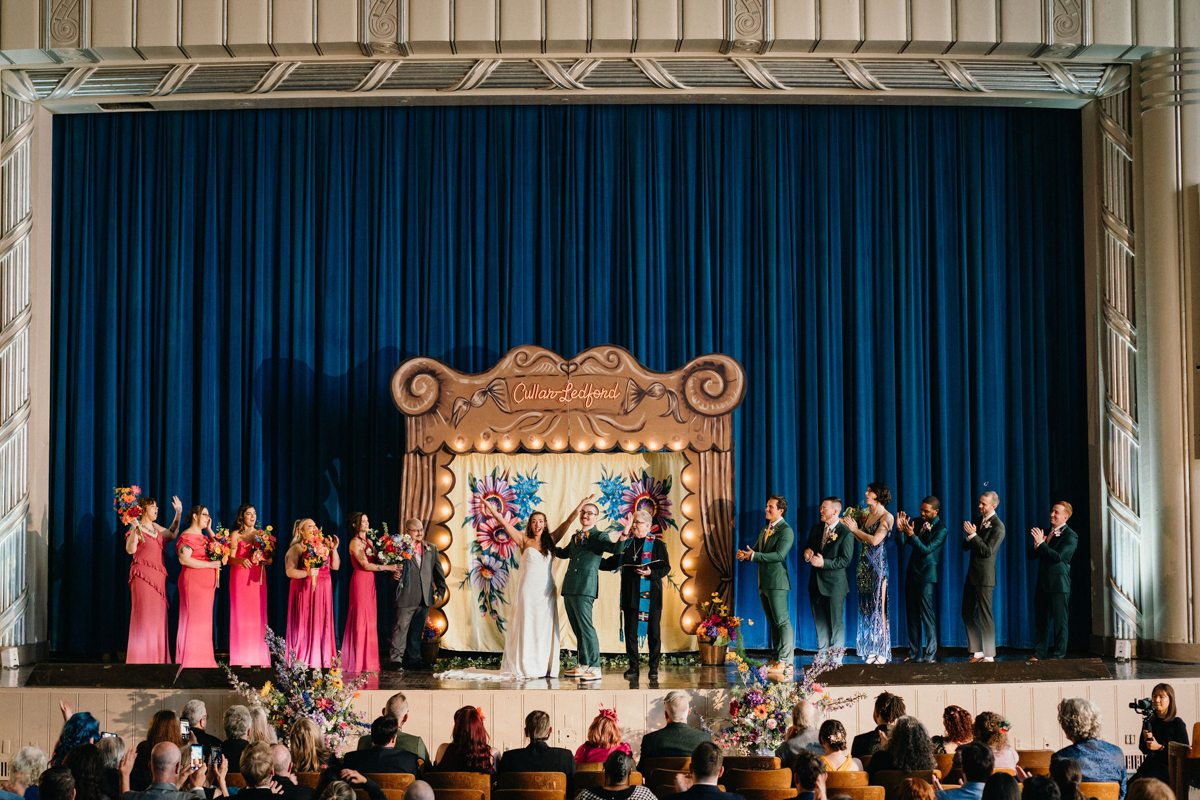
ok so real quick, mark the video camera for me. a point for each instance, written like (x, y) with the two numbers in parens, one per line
(1145, 707)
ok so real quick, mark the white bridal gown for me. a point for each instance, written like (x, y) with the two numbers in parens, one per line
(531, 644)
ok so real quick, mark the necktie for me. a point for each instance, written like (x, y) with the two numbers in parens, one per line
(417, 555)
(828, 535)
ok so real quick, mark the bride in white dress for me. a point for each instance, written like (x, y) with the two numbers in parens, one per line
(531, 646)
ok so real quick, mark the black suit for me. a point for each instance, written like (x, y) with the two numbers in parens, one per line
(257, 794)
(1053, 590)
(540, 757)
(980, 583)
(704, 791)
(920, 582)
(417, 590)
(631, 595)
(293, 791)
(673, 740)
(206, 739)
(232, 750)
(379, 760)
(866, 744)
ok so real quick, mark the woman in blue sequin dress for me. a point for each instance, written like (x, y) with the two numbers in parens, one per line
(874, 636)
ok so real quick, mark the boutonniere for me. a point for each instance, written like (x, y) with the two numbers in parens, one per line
(833, 536)
(987, 524)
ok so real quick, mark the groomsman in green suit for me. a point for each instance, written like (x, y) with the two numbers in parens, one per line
(1053, 553)
(828, 551)
(770, 553)
(927, 537)
(581, 584)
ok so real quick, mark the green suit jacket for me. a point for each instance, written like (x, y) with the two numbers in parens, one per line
(830, 578)
(1054, 561)
(771, 557)
(927, 542)
(582, 576)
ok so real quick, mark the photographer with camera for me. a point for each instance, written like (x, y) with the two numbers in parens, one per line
(1160, 727)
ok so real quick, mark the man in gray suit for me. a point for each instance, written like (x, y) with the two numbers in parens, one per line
(421, 583)
(983, 538)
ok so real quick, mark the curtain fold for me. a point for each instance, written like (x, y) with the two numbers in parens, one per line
(233, 289)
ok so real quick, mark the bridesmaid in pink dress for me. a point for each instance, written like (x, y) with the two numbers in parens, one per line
(310, 632)
(144, 541)
(360, 642)
(247, 596)
(197, 588)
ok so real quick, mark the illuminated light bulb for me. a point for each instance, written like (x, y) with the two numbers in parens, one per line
(629, 445)
(687, 507)
(581, 445)
(535, 442)
(602, 443)
(484, 446)
(460, 443)
(653, 445)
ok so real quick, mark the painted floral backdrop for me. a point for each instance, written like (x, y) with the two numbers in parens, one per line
(485, 559)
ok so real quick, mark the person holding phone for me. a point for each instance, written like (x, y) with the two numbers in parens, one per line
(643, 563)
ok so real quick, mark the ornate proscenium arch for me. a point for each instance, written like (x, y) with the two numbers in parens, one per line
(603, 399)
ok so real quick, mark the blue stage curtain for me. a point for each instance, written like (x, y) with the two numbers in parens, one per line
(233, 289)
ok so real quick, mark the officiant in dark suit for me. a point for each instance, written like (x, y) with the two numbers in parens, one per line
(983, 538)
(1053, 553)
(643, 564)
(770, 553)
(828, 550)
(927, 537)
(420, 583)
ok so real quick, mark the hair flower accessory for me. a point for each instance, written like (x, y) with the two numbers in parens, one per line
(608, 713)
(479, 711)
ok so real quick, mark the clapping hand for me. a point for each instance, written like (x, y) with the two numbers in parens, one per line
(904, 523)
(746, 555)
(969, 528)
(1038, 535)
(849, 522)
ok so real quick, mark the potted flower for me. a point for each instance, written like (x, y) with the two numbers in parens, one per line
(716, 630)
(431, 641)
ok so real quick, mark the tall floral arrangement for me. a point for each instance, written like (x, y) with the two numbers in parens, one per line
(760, 709)
(299, 691)
(717, 623)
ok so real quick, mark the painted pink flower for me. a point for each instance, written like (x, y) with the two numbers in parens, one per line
(492, 489)
(494, 539)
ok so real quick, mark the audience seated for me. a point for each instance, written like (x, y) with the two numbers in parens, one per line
(992, 729)
(1164, 727)
(538, 756)
(977, 766)
(617, 767)
(25, 771)
(384, 757)
(832, 740)
(603, 737)
(285, 777)
(1067, 775)
(1039, 787)
(1099, 761)
(87, 768)
(1001, 786)
(237, 732)
(112, 750)
(808, 770)
(802, 735)
(397, 706)
(196, 713)
(258, 769)
(675, 738)
(261, 729)
(888, 709)
(307, 745)
(56, 784)
(468, 749)
(1149, 789)
(418, 790)
(701, 782)
(352, 779)
(908, 749)
(957, 723)
(164, 727)
(165, 772)
(915, 789)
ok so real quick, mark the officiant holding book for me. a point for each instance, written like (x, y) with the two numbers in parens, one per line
(643, 564)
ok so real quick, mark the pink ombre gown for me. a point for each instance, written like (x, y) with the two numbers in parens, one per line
(148, 616)
(360, 642)
(247, 613)
(197, 588)
(310, 620)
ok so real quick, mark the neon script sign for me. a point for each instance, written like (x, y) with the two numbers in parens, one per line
(569, 392)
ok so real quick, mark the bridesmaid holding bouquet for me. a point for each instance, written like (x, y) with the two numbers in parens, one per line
(360, 642)
(201, 561)
(309, 559)
(144, 541)
(253, 552)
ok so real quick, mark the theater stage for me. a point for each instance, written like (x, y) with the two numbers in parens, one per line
(124, 697)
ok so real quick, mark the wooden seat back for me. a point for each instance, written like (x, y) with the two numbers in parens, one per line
(739, 779)
(390, 794)
(945, 762)
(461, 780)
(841, 780)
(751, 762)
(595, 780)
(890, 779)
(391, 780)
(676, 764)
(457, 794)
(863, 792)
(767, 794)
(1029, 760)
(556, 781)
(1101, 791)
(529, 794)
(309, 779)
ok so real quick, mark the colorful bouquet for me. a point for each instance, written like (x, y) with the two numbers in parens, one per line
(218, 547)
(857, 513)
(385, 548)
(300, 692)
(314, 551)
(760, 710)
(262, 549)
(125, 503)
(717, 624)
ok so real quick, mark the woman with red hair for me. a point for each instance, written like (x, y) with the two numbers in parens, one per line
(468, 749)
(957, 722)
(603, 737)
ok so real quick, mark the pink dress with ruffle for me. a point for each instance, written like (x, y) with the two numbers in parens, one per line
(197, 589)
(360, 642)
(247, 613)
(148, 642)
(310, 620)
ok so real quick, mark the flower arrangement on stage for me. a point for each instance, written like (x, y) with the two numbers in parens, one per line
(323, 696)
(431, 632)
(493, 553)
(760, 710)
(717, 623)
(314, 551)
(125, 503)
(386, 548)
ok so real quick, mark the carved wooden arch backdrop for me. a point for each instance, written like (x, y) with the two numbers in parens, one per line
(536, 401)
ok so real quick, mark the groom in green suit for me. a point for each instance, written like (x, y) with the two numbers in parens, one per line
(581, 585)
(828, 551)
(770, 553)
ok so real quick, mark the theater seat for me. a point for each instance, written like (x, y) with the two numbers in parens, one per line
(1101, 791)
(739, 779)
(555, 781)
(841, 780)
(477, 781)
(391, 780)
(751, 762)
